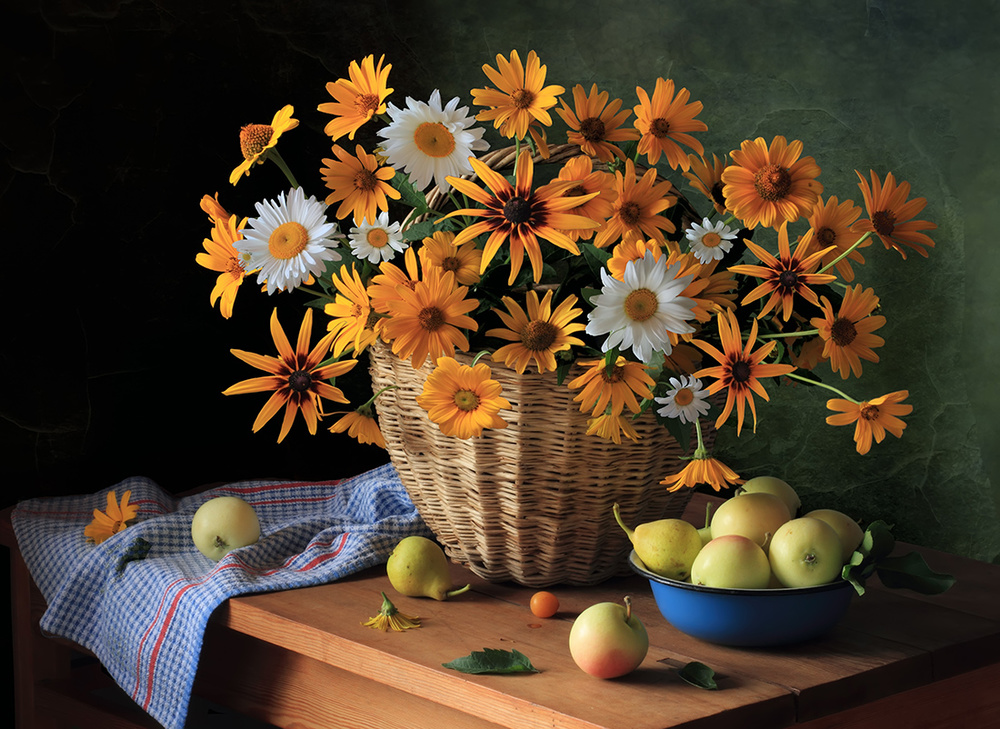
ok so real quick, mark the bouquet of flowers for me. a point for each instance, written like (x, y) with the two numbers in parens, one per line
(419, 243)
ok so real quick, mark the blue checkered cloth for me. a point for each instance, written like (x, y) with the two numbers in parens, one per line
(144, 615)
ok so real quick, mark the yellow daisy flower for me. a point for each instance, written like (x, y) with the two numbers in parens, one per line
(595, 123)
(221, 256)
(112, 520)
(704, 470)
(383, 286)
(538, 334)
(611, 427)
(351, 312)
(520, 96)
(358, 98)
(615, 387)
(439, 251)
(463, 399)
(872, 417)
(360, 425)
(358, 183)
(890, 215)
(847, 336)
(257, 139)
(594, 191)
(707, 179)
(665, 122)
(637, 208)
(632, 248)
(831, 225)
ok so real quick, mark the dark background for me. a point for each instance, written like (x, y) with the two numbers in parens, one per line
(116, 117)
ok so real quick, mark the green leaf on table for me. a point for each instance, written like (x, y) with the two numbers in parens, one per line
(492, 660)
(698, 674)
(876, 545)
(911, 572)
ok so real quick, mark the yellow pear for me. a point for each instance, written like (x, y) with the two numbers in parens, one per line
(849, 531)
(773, 485)
(666, 546)
(417, 567)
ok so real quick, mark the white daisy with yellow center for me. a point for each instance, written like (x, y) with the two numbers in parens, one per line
(641, 310)
(710, 242)
(429, 142)
(686, 400)
(377, 242)
(289, 241)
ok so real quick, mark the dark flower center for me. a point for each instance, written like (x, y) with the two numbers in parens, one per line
(300, 381)
(365, 180)
(366, 103)
(451, 263)
(869, 411)
(431, 318)
(659, 127)
(517, 210)
(884, 222)
(741, 371)
(575, 191)
(772, 182)
(717, 195)
(538, 336)
(253, 139)
(788, 280)
(592, 129)
(826, 237)
(843, 332)
(630, 213)
(522, 98)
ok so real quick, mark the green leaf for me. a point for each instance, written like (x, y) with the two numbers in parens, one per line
(408, 194)
(700, 675)
(419, 231)
(492, 660)
(911, 572)
(876, 545)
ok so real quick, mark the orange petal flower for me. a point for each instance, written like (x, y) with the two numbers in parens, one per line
(847, 336)
(463, 399)
(520, 97)
(112, 520)
(358, 98)
(664, 122)
(889, 215)
(705, 470)
(872, 417)
(595, 123)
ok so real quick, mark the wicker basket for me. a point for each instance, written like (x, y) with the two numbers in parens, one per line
(532, 502)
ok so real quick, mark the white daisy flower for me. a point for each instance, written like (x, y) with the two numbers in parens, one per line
(290, 241)
(710, 242)
(641, 310)
(686, 400)
(429, 142)
(378, 242)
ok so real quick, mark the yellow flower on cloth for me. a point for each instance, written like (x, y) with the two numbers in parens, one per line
(519, 215)
(770, 185)
(739, 368)
(256, 140)
(358, 183)
(847, 336)
(296, 377)
(595, 123)
(520, 96)
(358, 98)
(872, 417)
(112, 520)
(703, 470)
(463, 399)
(890, 215)
(538, 333)
(664, 122)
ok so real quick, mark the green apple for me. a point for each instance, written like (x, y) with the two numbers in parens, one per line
(847, 529)
(805, 552)
(755, 515)
(667, 546)
(773, 485)
(731, 561)
(607, 640)
(222, 524)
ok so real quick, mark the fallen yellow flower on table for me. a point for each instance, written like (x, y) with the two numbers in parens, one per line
(390, 617)
(111, 521)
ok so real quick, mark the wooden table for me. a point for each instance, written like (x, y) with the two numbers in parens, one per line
(301, 658)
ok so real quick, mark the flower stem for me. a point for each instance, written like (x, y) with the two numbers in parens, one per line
(315, 292)
(783, 335)
(275, 156)
(823, 385)
(700, 452)
(846, 253)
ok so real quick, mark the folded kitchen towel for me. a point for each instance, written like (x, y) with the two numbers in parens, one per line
(143, 613)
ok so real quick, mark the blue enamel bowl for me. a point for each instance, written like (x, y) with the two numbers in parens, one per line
(754, 618)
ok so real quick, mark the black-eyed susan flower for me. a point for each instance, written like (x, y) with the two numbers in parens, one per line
(221, 256)
(518, 215)
(290, 240)
(612, 388)
(295, 376)
(770, 185)
(665, 122)
(429, 142)
(520, 95)
(463, 399)
(707, 179)
(740, 368)
(831, 223)
(703, 469)
(358, 183)
(593, 190)
(872, 418)
(638, 207)
(376, 240)
(428, 320)
(112, 520)
(890, 215)
(439, 251)
(351, 315)
(358, 98)
(686, 399)
(538, 333)
(786, 275)
(595, 123)
(257, 141)
(643, 309)
(847, 335)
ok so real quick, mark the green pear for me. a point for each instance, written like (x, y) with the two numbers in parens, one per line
(417, 567)
(667, 546)
(773, 485)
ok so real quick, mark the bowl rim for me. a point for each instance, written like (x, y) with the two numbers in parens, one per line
(636, 564)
